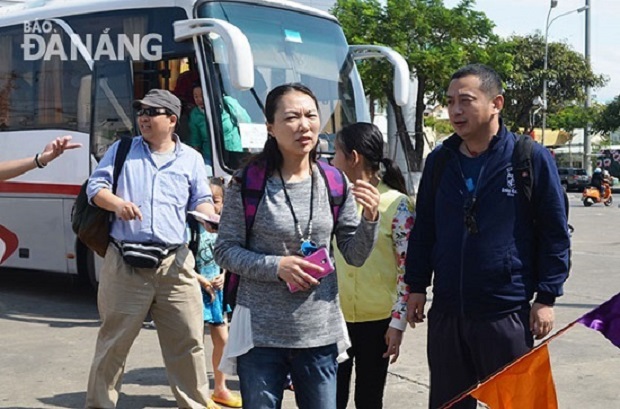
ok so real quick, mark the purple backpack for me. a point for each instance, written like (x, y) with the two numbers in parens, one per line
(253, 181)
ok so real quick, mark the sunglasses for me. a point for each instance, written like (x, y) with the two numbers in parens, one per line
(153, 111)
(470, 219)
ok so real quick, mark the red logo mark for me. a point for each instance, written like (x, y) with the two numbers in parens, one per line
(9, 242)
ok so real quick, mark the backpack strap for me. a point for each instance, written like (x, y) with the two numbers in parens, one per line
(119, 160)
(194, 235)
(253, 183)
(336, 187)
(523, 168)
(524, 171)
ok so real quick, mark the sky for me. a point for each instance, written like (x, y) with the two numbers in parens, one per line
(528, 16)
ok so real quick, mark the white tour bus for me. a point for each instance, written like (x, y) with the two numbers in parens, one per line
(75, 66)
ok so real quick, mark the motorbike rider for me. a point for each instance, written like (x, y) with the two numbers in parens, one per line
(597, 181)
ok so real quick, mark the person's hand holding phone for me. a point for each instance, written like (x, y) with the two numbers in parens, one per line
(291, 270)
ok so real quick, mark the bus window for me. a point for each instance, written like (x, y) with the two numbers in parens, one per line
(46, 78)
(112, 97)
(312, 51)
(37, 93)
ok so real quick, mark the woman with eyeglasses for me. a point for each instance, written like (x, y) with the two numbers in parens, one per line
(275, 329)
(374, 296)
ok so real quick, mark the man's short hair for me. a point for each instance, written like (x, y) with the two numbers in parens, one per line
(490, 81)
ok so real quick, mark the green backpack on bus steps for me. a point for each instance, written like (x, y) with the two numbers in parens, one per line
(90, 223)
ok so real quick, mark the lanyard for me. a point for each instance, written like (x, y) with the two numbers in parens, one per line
(307, 246)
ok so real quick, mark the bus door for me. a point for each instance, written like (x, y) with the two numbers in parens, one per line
(223, 52)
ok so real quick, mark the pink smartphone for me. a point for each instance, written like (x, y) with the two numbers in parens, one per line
(320, 258)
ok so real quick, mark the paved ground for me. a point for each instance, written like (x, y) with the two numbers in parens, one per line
(48, 326)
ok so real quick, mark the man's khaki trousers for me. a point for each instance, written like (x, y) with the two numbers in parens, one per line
(172, 294)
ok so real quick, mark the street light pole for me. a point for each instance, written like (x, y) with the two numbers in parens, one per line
(552, 5)
(587, 148)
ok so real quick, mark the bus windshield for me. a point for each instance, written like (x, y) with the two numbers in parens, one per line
(287, 46)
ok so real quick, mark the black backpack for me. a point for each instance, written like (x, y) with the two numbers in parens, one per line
(523, 170)
(91, 223)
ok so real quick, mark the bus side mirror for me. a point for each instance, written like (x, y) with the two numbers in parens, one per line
(401, 69)
(240, 59)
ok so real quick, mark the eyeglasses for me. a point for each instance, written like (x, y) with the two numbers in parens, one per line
(152, 111)
(470, 219)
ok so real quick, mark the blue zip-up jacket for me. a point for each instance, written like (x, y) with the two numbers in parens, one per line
(520, 248)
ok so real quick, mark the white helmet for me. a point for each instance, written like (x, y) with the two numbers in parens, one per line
(597, 170)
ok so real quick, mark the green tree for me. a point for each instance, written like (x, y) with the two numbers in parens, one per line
(572, 117)
(609, 118)
(434, 40)
(358, 19)
(568, 73)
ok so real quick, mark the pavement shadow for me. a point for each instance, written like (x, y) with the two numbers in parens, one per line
(157, 376)
(146, 376)
(154, 376)
(57, 300)
(76, 400)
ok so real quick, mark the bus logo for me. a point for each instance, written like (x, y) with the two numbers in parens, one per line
(43, 40)
(8, 243)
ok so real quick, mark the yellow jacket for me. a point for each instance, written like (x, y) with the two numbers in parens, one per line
(377, 290)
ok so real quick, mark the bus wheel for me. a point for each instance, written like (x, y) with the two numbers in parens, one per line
(86, 265)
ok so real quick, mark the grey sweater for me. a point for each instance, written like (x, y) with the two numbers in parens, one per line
(279, 318)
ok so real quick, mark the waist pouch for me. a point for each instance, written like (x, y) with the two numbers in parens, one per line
(144, 255)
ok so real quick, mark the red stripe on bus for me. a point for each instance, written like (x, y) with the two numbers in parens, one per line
(45, 188)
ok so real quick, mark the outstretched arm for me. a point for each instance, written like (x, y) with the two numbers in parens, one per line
(14, 168)
(52, 150)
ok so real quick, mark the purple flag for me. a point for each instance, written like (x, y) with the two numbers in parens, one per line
(606, 319)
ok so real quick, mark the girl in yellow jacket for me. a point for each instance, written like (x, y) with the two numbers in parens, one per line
(373, 297)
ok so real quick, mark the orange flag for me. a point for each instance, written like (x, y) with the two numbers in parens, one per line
(527, 383)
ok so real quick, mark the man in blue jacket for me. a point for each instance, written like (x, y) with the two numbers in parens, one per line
(491, 250)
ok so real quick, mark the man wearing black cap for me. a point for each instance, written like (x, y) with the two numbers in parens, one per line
(147, 265)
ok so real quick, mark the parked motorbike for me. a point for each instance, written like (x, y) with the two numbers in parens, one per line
(592, 195)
